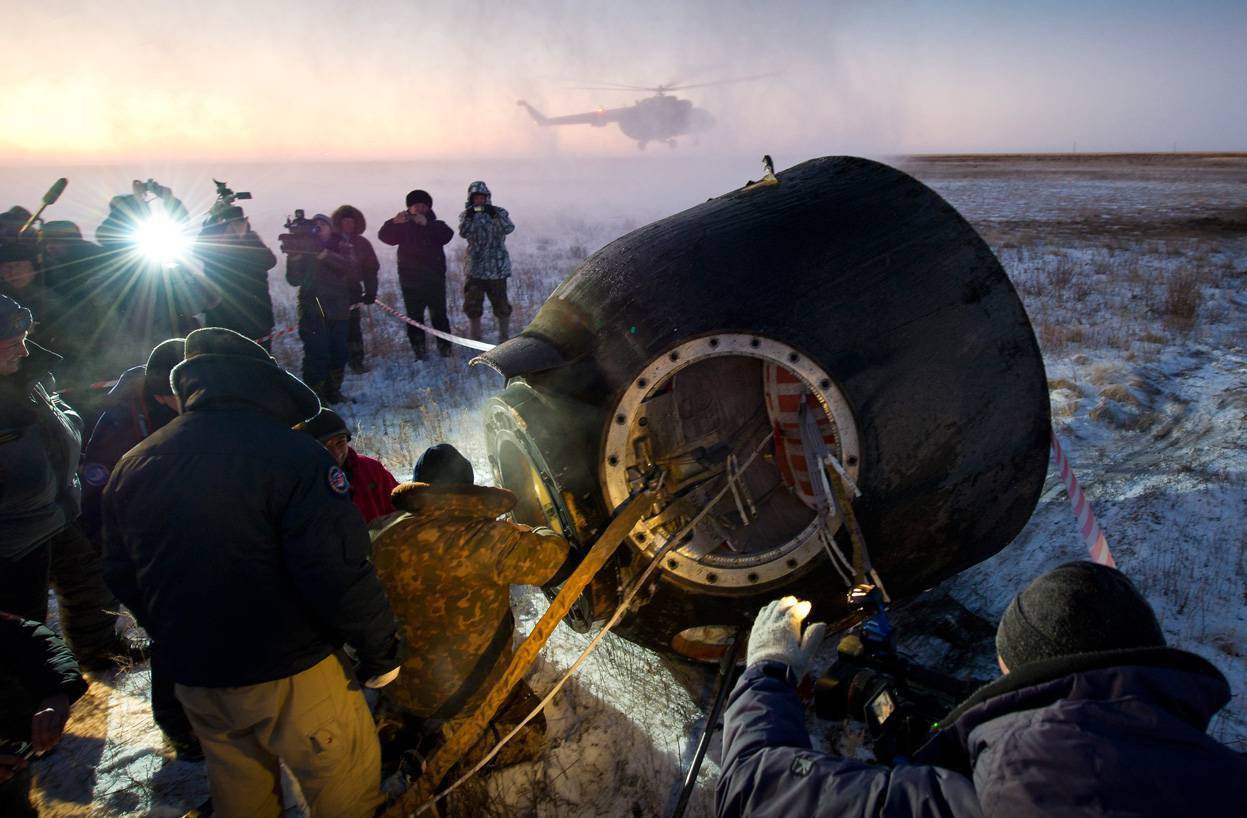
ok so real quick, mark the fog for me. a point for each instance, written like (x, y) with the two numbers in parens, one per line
(544, 196)
(140, 81)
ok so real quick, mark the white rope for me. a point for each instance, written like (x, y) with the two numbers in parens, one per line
(620, 610)
(470, 343)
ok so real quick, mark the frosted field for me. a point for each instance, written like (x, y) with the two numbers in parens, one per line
(1133, 272)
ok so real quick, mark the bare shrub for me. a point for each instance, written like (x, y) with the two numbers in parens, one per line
(1183, 297)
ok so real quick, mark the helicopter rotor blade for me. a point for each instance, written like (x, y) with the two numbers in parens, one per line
(722, 82)
(613, 87)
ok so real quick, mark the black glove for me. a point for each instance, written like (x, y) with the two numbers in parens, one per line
(369, 298)
(491, 210)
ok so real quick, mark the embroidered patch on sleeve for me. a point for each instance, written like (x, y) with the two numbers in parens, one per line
(95, 474)
(338, 482)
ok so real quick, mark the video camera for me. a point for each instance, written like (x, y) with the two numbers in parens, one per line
(301, 236)
(223, 208)
(899, 702)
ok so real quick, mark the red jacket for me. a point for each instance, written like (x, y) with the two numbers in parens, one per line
(371, 485)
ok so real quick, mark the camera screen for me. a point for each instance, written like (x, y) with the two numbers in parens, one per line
(882, 706)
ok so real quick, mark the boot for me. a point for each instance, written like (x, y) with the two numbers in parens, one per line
(474, 328)
(333, 387)
(504, 329)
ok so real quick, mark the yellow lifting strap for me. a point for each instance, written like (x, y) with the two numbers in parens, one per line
(457, 744)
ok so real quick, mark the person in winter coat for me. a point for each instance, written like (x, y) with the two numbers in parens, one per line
(371, 483)
(420, 238)
(39, 682)
(151, 297)
(1094, 716)
(237, 262)
(77, 275)
(40, 540)
(350, 224)
(326, 281)
(232, 539)
(448, 564)
(488, 262)
(140, 404)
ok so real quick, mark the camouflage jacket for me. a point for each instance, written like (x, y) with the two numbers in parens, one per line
(486, 232)
(447, 564)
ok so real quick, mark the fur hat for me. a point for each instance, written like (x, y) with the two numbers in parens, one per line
(160, 363)
(1078, 607)
(349, 212)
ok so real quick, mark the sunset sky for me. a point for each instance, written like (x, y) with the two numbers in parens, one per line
(119, 81)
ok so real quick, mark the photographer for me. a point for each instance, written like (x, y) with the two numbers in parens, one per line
(237, 262)
(350, 224)
(1094, 716)
(420, 237)
(39, 681)
(326, 280)
(488, 265)
(147, 241)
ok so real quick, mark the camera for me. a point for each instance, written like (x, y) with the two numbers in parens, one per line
(150, 186)
(224, 208)
(899, 702)
(301, 236)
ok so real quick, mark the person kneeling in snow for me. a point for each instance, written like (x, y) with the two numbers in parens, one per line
(371, 483)
(1094, 715)
(448, 563)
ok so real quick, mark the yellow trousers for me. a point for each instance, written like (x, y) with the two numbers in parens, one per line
(317, 722)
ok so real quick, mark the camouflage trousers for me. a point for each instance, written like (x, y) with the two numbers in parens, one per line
(476, 289)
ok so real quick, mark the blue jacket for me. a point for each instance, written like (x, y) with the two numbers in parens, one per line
(1118, 734)
(131, 416)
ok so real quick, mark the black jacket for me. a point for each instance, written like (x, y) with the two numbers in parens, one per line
(420, 252)
(234, 540)
(131, 416)
(40, 441)
(327, 286)
(239, 269)
(1113, 734)
(36, 665)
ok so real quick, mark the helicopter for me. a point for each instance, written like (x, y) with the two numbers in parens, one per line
(659, 118)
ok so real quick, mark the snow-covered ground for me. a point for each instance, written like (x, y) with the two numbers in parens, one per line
(1134, 275)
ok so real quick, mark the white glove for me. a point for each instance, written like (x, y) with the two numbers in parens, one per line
(384, 679)
(776, 636)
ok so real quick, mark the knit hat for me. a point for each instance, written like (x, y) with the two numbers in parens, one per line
(1079, 607)
(14, 318)
(160, 363)
(418, 196)
(321, 217)
(443, 464)
(326, 425)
